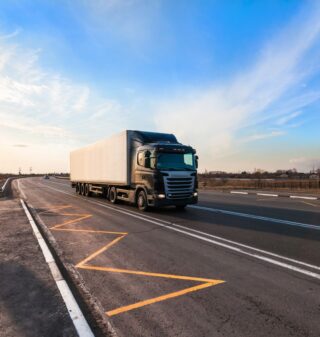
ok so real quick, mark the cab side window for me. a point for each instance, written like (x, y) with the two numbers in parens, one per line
(141, 158)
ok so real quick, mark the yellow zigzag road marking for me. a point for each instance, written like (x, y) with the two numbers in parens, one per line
(83, 264)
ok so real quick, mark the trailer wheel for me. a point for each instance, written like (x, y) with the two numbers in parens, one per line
(77, 188)
(142, 201)
(113, 195)
(82, 189)
(87, 192)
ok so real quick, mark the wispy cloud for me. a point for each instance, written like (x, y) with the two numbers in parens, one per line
(40, 106)
(10, 35)
(287, 118)
(305, 163)
(134, 22)
(211, 117)
(259, 136)
(20, 145)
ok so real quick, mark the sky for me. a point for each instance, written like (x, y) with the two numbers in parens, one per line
(237, 80)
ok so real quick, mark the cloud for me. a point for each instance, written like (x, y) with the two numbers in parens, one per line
(259, 136)
(287, 118)
(298, 160)
(43, 108)
(20, 145)
(133, 22)
(10, 35)
(305, 163)
(211, 117)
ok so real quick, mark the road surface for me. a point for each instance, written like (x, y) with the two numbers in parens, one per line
(232, 265)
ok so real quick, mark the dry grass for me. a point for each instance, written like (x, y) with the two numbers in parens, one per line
(300, 185)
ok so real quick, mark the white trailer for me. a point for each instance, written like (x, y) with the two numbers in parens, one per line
(104, 162)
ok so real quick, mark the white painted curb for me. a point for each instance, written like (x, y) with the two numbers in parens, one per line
(238, 192)
(76, 315)
(268, 194)
(276, 195)
(301, 197)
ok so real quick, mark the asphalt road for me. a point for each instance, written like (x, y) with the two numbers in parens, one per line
(233, 265)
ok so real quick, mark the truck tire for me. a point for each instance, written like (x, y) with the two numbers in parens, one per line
(113, 195)
(87, 192)
(142, 201)
(81, 189)
(78, 188)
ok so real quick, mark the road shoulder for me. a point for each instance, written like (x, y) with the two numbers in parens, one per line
(31, 304)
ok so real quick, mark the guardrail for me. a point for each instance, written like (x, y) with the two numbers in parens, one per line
(59, 177)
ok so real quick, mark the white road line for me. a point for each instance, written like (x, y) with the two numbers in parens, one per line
(21, 190)
(268, 194)
(238, 192)
(301, 197)
(250, 247)
(309, 203)
(76, 315)
(257, 217)
(186, 231)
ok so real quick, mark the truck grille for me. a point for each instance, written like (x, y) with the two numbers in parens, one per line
(178, 187)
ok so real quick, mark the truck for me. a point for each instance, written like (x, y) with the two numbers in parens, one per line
(148, 169)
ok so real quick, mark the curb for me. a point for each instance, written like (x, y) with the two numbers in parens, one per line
(276, 195)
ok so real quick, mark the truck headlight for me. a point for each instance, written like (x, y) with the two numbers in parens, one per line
(161, 196)
(195, 194)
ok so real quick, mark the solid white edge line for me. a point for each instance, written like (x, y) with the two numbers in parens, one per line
(238, 192)
(301, 197)
(76, 315)
(257, 217)
(251, 248)
(239, 250)
(21, 190)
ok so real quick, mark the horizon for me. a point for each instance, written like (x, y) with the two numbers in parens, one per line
(237, 81)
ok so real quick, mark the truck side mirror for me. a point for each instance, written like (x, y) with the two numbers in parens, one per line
(196, 158)
(147, 162)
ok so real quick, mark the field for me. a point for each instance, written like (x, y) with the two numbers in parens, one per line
(298, 185)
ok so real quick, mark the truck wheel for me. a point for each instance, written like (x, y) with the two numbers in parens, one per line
(113, 195)
(87, 192)
(142, 201)
(82, 189)
(77, 188)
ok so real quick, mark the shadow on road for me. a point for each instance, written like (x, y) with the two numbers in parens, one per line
(29, 305)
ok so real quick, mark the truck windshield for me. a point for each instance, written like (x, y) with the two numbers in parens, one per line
(176, 161)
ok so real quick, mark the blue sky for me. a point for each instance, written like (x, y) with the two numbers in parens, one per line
(238, 80)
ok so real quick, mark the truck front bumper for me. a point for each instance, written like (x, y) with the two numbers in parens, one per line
(156, 202)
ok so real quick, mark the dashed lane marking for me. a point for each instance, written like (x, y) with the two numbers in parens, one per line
(84, 264)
